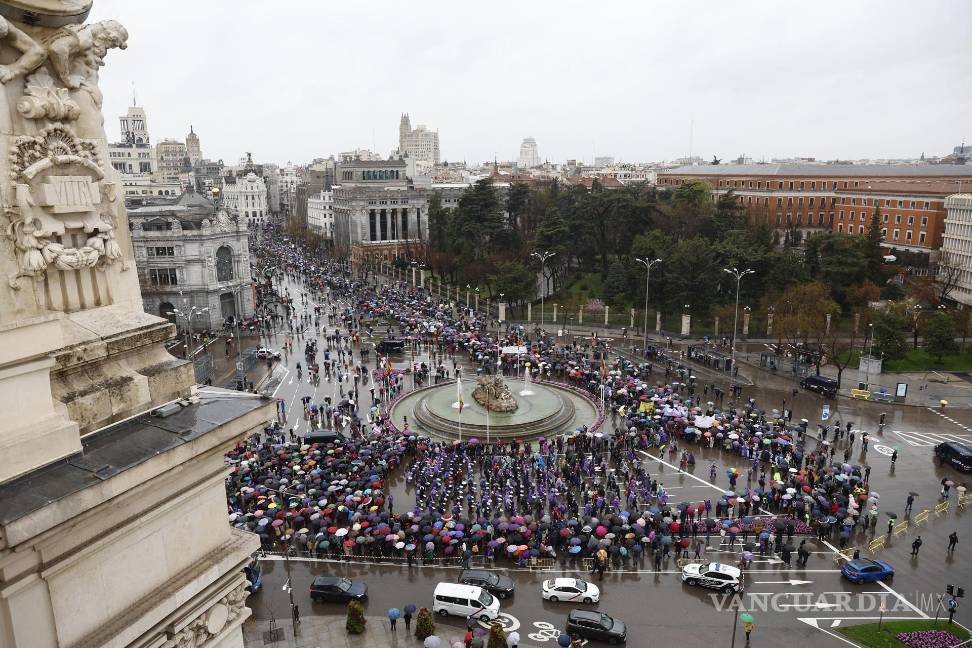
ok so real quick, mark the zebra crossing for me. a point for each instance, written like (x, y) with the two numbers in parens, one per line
(926, 439)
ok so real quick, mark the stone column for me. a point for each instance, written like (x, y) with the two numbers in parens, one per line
(555, 314)
(607, 313)
(827, 330)
(745, 327)
(657, 321)
(502, 311)
(580, 315)
(476, 301)
(421, 278)
(631, 326)
(715, 332)
(769, 321)
(686, 323)
(413, 276)
(529, 311)
(857, 322)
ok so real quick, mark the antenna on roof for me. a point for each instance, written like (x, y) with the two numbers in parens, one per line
(134, 102)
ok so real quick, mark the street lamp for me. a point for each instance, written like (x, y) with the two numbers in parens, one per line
(468, 287)
(499, 322)
(738, 274)
(870, 346)
(476, 303)
(542, 257)
(188, 316)
(645, 262)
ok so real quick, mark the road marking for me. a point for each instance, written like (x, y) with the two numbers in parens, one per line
(687, 474)
(902, 599)
(792, 581)
(812, 622)
(949, 419)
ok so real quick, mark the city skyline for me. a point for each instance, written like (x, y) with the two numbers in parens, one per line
(632, 85)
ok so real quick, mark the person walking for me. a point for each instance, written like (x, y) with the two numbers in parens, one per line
(916, 546)
(407, 617)
(952, 541)
(748, 627)
(909, 503)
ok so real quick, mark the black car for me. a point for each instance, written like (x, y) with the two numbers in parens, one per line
(821, 385)
(956, 455)
(390, 346)
(324, 436)
(496, 584)
(597, 626)
(333, 588)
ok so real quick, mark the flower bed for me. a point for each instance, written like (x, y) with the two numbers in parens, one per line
(927, 639)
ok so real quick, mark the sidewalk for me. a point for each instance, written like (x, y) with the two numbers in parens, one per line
(329, 632)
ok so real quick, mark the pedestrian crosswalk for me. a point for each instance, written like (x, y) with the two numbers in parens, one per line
(925, 439)
(950, 419)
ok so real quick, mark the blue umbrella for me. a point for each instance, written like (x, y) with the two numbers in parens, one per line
(410, 609)
(393, 613)
(575, 549)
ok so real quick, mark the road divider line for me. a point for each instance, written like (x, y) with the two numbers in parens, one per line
(902, 599)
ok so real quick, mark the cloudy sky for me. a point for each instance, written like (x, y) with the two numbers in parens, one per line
(294, 80)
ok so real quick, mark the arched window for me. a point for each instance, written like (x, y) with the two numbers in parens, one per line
(224, 264)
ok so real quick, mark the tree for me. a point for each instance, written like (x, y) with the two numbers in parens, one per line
(840, 350)
(515, 281)
(516, 204)
(496, 639)
(616, 285)
(889, 334)
(553, 233)
(872, 245)
(940, 336)
(424, 625)
(356, 621)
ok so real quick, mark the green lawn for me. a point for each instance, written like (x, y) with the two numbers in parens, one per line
(920, 360)
(868, 634)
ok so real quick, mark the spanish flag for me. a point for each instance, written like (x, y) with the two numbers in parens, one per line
(459, 392)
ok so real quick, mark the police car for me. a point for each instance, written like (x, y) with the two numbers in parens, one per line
(714, 576)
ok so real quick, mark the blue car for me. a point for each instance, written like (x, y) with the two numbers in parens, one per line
(865, 570)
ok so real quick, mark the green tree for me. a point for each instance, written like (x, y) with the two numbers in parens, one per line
(872, 244)
(940, 336)
(356, 621)
(496, 639)
(616, 285)
(424, 624)
(890, 330)
(553, 233)
(517, 202)
(515, 280)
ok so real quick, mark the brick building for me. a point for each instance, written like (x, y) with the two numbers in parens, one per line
(800, 199)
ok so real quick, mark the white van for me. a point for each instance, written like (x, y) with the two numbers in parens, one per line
(466, 601)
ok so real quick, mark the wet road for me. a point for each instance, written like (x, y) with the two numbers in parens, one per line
(806, 603)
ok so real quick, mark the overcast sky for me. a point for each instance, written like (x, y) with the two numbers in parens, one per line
(292, 80)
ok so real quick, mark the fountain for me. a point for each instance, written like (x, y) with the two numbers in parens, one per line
(551, 409)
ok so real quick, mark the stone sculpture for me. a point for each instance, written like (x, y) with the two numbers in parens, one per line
(493, 394)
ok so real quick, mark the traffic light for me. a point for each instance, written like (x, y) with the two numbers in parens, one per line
(949, 589)
(959, 593)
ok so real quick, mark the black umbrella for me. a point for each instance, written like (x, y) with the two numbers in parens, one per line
(779, 524)
(913, 493)
(789, 547)
(893, 516)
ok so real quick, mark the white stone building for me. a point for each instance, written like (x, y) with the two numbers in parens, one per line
(247, 195)
(193, 147)
(173, 161)
(529, 156)
(955, 264)
(320, 214)
(189, 254)
(418, 143)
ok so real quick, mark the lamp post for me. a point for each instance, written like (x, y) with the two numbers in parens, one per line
(499, 322)
(645, 262)
(542, 257)
(738, 274)
(476, 303)
(188, 316)
(870, 346)
(468, 288)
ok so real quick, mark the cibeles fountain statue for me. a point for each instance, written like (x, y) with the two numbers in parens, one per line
(77, 350)
(493, 394)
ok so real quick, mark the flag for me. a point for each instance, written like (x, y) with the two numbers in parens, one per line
(388, 364)
(459, 392)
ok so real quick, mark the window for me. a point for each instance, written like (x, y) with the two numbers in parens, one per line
(224, 263)
(912, 204)
(840, 214)
(896, 234)
(897, 219)
(926, 204)
(840, 227)
(921, 237)
(163, 277)
(900, 203)
(852, 214)
(884, 232)
(779, 202)
(911, 220)
(924, 222)
(161, 251)
(908, 235)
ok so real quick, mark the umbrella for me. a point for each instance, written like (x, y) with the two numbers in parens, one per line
(393, 613)
(949, 483)
(913, 493)
(432, 642)
(746, 617)
(409, 609)
(893, 516)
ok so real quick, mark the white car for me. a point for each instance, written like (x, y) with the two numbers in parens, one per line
(570, 589)
(714, 576)
(265, 353)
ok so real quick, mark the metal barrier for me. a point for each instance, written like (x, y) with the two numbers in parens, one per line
(877, 544)
(588, 564)
(901, 528)
(862, 394)
(963, 501)
(541, 564)
(921, 517)
(942, 508)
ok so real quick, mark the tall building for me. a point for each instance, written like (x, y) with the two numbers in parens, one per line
(529, 157)
(418, 143)
(173, 161)
(193, 149)
(798, 199)
(955, 267)
(247, 195)
(113, 527)
(189, 253)
(320, 214)
(135, 158)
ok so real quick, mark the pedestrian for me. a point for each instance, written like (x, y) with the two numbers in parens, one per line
(952, 541)
(513, 640)
(916, 546)
(748, 627)
(393, 617)
(890, 526)
(909, 502)
(408, 620)
(658, 560)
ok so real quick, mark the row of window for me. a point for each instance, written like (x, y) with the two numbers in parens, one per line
(885, 218)
(163, 277)
(160, 251)
(780, 184)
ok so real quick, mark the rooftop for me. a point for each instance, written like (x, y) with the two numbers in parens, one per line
(825, 170)
(117, 448)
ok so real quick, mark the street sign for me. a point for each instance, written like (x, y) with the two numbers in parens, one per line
(239, 366)
(825, 414)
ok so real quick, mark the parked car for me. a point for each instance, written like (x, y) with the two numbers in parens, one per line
(266, 353)
(496, 584)
(866, 570)
(337, 589)
(570, 589)
(956, 455)
(589, 624)
(390, 346)
(714, 576)
(821, 385)
(465, 601)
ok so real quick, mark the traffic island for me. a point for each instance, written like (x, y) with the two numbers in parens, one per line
(917, 633)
